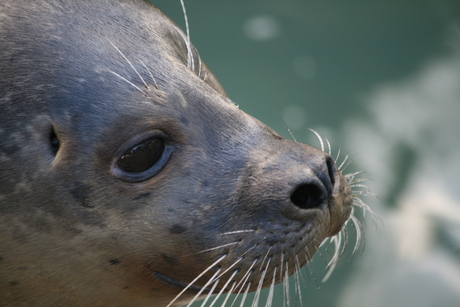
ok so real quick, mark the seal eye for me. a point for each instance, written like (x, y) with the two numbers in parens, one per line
(142, 157)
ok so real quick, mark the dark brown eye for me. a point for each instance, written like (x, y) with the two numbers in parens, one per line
(142, 157)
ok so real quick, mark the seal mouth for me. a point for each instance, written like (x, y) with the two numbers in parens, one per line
(177, 283)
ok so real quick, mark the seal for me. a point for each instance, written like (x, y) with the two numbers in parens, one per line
(128, 177)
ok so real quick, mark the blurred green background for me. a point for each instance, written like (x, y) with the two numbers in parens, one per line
(381, 79)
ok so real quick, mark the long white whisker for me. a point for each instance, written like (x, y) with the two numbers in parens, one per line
(338, 153)
(217, 247)
(259, 286)
(236, 262)
(207, 296)
(358, 181)
(229, 293)
(337, 240)
(329, 149)
(281, 266)
(130, 83)
(150, 74)
(223, 288)
(312, 273)
(236, 232)
(198, 277)
(199, 62)
(271, 290)
(357, 202)
(343, 162)
(286, 286)
(245, 294)
(243, 281)
(188, 43)
(265, 257)
(358, 186)
(245, 277)
(352, 175)
(287, 128)
(297, 280)
(130, 64)
(319, 138)
(345, 166)
(211, 280)
(358, 227)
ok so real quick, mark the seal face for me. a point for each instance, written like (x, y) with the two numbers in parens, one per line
(128, 178)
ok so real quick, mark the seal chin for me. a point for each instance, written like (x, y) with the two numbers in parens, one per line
(177, 283)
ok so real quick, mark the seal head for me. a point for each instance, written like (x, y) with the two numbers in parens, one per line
(127, 175)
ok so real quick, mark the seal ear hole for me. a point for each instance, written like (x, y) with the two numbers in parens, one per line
(54, 141)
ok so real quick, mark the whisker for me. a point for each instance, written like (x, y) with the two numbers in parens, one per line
(217, 247)
(281, 266)
(336, 240)
(229, 293)
(319, 138)
(223, 288)
(236, 232)
(207, 296)
(130, 83)
(271, 290)
(238, 260)
(190, 63)
(243, 281)
(286, 286)
(198, 277)
(211, 280)
(246, 275)
(255, 302)
(130, 64)
(287, 128)
(245, 294)
(359, 230)
(265, 257)
(358, 202)
(312, 273)
(199, 62)
(189, 56)
(205, 77)
(229, 268)
(329, 149)
(343, 163)
(358, 186)
(338, 153)
(150, 74)
(352, 175)
(297, 280)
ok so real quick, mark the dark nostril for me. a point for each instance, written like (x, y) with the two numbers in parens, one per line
(307, 196)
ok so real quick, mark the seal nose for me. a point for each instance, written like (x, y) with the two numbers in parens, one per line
(312, 195)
